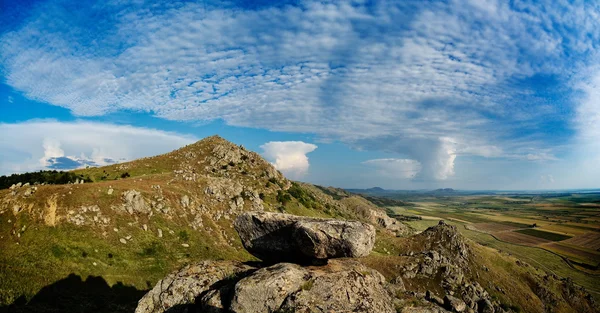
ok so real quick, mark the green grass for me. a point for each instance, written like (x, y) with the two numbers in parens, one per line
(515, 224)
(537, 257)
(543, 234)
(69, 249)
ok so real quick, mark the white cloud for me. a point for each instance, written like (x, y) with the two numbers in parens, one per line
(395, 168)
(541, 156)
(289, 156)
(35, 145)
(340, 70)
(547, 179)
(10, 99)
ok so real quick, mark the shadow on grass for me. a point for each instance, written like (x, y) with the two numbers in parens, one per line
(72, 294)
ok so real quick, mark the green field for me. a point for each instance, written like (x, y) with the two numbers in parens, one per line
(550, 217)
(543, 234)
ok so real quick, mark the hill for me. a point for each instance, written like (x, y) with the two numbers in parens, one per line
(130, 224)
(134, 222)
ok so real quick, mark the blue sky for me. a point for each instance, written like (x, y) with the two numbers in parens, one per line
(405, 95)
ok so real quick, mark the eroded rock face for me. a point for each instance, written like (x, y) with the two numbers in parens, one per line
(134, 202)
(267, 288)
(275, 237)
(341, 286)
(180, 289)
(346, 286)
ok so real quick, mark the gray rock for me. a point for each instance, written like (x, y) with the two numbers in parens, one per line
(134, 202)
(228, 286)
(334, 238)
(485, 306)
(454, 304)
(181, 288)
(341, 286)
(277, 237)
(266, 289)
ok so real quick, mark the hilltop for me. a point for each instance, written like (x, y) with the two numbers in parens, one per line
(121, 228)
(134, 222)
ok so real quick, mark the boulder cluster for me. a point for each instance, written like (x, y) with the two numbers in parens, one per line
(307, 267)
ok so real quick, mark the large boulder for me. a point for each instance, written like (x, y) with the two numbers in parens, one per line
(340, 286)
(178, 290)
(267, 288)
(275, 237)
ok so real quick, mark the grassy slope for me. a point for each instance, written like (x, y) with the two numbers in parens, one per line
(50, 248)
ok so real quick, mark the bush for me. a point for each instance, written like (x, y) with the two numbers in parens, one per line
(41, 177)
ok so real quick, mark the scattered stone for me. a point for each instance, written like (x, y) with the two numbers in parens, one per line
(185, 245)
(123, 241)
(95, 263)
(134, 202)
(160, 234)
(454, 304)
(110, 191)
(116, 230)
(485, 306)
(128, 237)
(145, 227)
(185, 201)
(276, 237)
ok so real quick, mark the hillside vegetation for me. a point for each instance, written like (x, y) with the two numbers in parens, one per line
(133, 223)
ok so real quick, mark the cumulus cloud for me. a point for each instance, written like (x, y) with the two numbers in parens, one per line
(395, 168)
(349, 71)
(289, 156)
(36, 145)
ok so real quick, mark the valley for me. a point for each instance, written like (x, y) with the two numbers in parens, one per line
(565, 239)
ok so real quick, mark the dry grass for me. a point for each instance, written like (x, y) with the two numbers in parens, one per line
(577, 254)
(590, 240)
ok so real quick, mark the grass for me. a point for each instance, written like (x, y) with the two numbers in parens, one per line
(69, 249)
(537, 257)
(543, 234)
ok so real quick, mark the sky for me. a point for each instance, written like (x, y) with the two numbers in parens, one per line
(477, 94)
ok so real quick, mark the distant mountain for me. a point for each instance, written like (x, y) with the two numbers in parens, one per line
(444, 190)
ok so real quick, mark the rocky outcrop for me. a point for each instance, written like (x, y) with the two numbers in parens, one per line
(220, 286)
(179, 289)
(134, 202)
(275, 237)
(343, 285)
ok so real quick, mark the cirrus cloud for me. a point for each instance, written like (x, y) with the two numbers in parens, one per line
(402, 77)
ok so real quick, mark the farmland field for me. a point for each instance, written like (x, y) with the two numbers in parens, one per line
(589, 240)
(543, 234)
(556, 232)
(520, 239)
